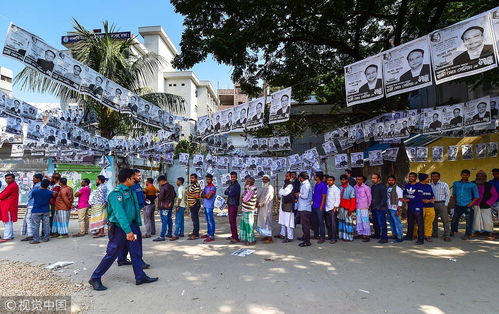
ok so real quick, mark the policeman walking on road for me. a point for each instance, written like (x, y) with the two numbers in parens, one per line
(124, 230)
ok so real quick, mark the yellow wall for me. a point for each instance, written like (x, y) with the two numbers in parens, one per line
(450, 170)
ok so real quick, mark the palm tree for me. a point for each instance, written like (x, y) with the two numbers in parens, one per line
(113, 59)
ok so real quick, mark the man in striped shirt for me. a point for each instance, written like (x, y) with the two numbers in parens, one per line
(193, 201)
(442, 197)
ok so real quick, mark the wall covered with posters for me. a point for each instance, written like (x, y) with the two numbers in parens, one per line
(450, 170)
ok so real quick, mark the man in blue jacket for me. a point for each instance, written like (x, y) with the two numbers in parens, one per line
(233, 193)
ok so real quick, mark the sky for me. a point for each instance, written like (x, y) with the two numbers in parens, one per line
(52, 19)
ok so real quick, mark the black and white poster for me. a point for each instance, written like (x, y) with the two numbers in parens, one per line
(251, 163)
(492, 149)
(256, 110)
(132, 105)
(226, 120)
(356, 133)
(197, 161)
(494, 107)
(280, 106)
(477, 112)
(222, 162)
(379, 131)
(17, 42)
(67, 71)
(392, 129)
(156, 116)
(364, 80)
(463, 49)
(13, 107)
(407, 67)
(494, 18)
(422, 154)
(437, 153)
(115, 96)
(225, 179)
(432, 120)
(144, 111)
(267, 162)
(481, 150)
(411, 153)
(369, 127)
(467, 151)
(403, 127)
(375, 157)
(204, 126)
(93, 83)
(329, 148)
(279, 164)
(168, 158)
(240, 117)
(274, 144)
(253, 144)
(14, 125)
(216, 118)
(452, 117)
(238, 163)
(285, 143)
(357, 160)
(34, 130)
(295, 163)
(452, 152)
(390, 154)
(415, 121)
(263, 144)
(40, 56)
(29, 112)
(341, 161)
(183, 159)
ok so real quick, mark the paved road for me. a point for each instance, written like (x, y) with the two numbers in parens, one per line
(456, 277)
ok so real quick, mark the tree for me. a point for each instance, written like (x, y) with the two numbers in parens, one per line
(113, 59)
(306, 44)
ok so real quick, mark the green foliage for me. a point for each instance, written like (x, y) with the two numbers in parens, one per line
(185, 146)
(113, 59)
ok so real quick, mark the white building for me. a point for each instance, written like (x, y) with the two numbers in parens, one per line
(6, 77)
(199, 95)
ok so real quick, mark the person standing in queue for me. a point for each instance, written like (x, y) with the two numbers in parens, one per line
(124, 230)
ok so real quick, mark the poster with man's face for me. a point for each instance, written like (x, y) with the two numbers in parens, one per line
(17, 42)
(432, 120)
(390, 154)
(477, 112)
(452, 117)
(238, 163)
(481, 150)
(280, 106)
(256, 110)
(437, 153)
(114, 96)
(295, 162)
(341, 161)
(422, 154)
(197, 161)
(329, 148)
(369, 127)
(452, 152)
(240, 117)
(379, 131)
(415, 121)
(222, 162)
(274, 144)
(183, 159)
(226, 120)
(168, 158)
(463, 49)
(202, 126)
(28, 112)
(263, 144)
(411, 153)
(357, 160)
(285, 143)
(375, 157)
(407, 67)
(467, 151)
(364, 80)
(253, 144)
(93, 84)
(492, 149)
(67, 71)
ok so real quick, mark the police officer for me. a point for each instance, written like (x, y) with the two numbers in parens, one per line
(124, 230)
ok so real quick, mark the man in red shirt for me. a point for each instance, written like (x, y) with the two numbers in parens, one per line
(9, 201)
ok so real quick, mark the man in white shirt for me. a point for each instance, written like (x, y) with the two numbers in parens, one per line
(442, 197)
(286, 214)
(305, 208)
(332, 204)
(395, 194)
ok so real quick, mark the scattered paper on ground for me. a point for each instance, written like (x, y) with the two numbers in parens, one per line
(58, 265)
(243, 252)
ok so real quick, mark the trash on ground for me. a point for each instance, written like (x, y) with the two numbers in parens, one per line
(269, 260)
(365, 291)
(58, 265)
(243, 252)
(452, 259)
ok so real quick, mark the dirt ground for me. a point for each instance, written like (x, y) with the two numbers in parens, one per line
(439, 277)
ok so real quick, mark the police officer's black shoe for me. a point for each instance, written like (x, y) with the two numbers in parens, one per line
(145, 266)
(125, 262)
(146, 280)
(97, 284)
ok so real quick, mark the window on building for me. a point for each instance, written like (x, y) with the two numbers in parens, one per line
(196, 93)
(6, 78)
(170, 85)
(183, 84)
(174, 84)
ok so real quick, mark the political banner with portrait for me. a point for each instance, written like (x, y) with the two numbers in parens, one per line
(463, 49)
(329, 148)
(253, 145)
(280, 106)
(263, 144)
(375, 157)
(494, 19)
(422, 154)
(357, 160)
(240, 117)
(295, 162)
(467, 151)
(481, 150)
(452, 152)
(492, 149)
(432, 120)
(407, 67)
(341, 161)
(411, 153)
(256, 110)
(364, 80)
(226, 120)
(437, 153)
(477, 112)
(452, 117)
(390, 154)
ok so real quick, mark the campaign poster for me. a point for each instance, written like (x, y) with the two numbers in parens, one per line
(251, 163)
(295, 162)
(437, 153)
(415, 120)
(407, 67)
(256, 110)
(411, 153)
(93, 83)
(29, 112)
(144, 111)
(341, 161)
(463, 49)
(263, 144)
(13, 107)
(379, 131)
(226, 120)
(329, 148)
(274, 144)
(356, 133)
(155, 116)
(225, 179)
(131, 104)
(369, 128)
(422, 154)
(197, 161)
(452, 152)
(67, 71)
(467, 151)
(168, 158)
(375, 157)
(390, 154)
(34, 130)
(216, 118)
(280, 106)
(253, 145)
(204, 124)
(238, 163)
(492, 149)
(183, 159)
(357, 160)
(279, 164)
(40, 56)
(364, 80)
(222, 162)
(481, 150)
(285, 143)
(452, 117)
(14, 125)
(115, 96)
(432, 120)
(240, 117)
(477, 112)
(17, 42)
(494, 18)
